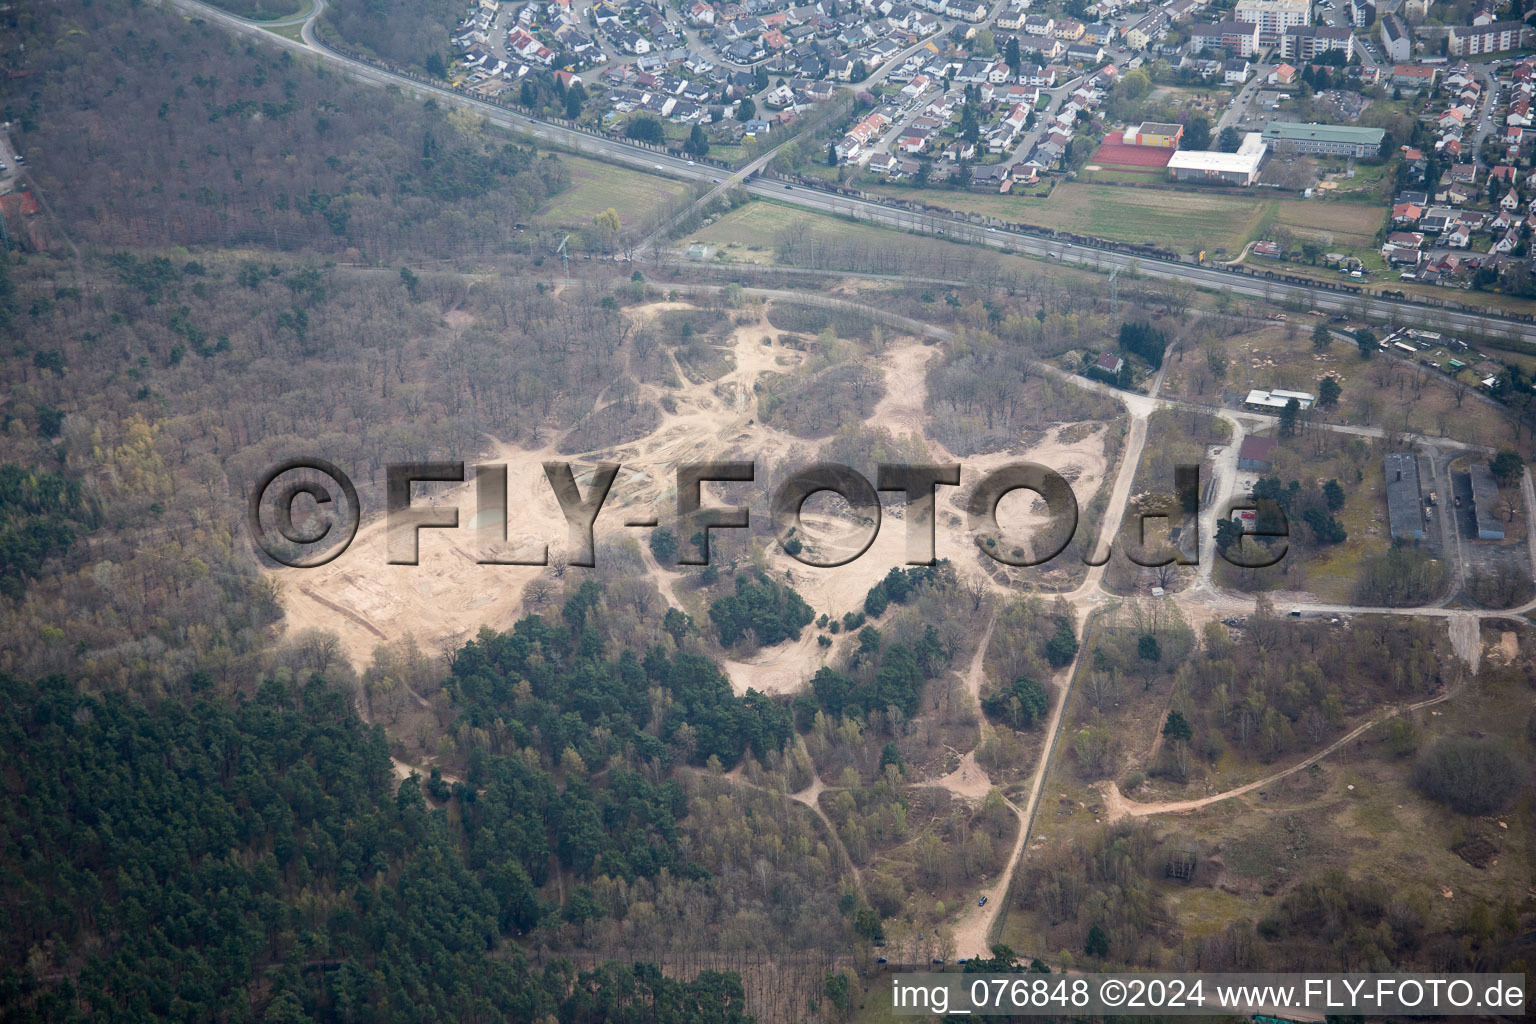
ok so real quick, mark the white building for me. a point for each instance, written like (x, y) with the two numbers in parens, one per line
(1209, 167)
(1274, 16)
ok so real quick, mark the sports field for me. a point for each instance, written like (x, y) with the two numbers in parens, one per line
(1118, 154)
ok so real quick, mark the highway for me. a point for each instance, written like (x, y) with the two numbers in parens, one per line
(630, 154)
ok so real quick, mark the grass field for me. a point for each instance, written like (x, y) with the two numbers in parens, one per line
(1341, 225)
(596, 186)
(746, 235)
(1182, 220)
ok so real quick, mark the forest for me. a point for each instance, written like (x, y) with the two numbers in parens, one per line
(238, 145)
(251, 859)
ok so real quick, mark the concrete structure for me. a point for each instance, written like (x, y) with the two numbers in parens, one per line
(1473, 40)
(1324, 139)
(1152, 133)
(1396, 39)
(1485, 502)
(1405, 506)
(1274, 16)
(1307, 42)
(1203, 166)
(1256, 454)
(1236, 38)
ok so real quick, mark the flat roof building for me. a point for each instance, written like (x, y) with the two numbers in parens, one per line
(1405, 511)
(1307, 42)
(1240, 168)
(1274, 16)
(1325, 139)
(1485, 501)
(1237, 38)
(1277, 399)
(1153, 133)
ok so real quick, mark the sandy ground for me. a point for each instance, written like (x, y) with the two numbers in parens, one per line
(447, 597)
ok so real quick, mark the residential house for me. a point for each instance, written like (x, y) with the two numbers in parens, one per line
(1396, 38)
(1308, 42)
(1414, 76)
(1496, 37)
(1236, 38)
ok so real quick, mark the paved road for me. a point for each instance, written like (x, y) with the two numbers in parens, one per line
(621, 152)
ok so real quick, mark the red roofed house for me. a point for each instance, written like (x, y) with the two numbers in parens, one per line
(1257, 454)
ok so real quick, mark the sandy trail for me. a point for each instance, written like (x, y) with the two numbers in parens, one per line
(1117, 806)
(973, 930)
(900, 410)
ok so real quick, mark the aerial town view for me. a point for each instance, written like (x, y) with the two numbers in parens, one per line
(743, 511)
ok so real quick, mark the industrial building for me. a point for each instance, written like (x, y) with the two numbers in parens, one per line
(1324, 139)
(1405, 506)
(1485, 501)
(1210, 167)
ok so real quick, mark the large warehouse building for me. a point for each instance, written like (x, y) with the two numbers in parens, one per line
(1324, 139)
(1200, 166)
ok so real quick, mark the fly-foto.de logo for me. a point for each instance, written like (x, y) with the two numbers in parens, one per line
(334, 512)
